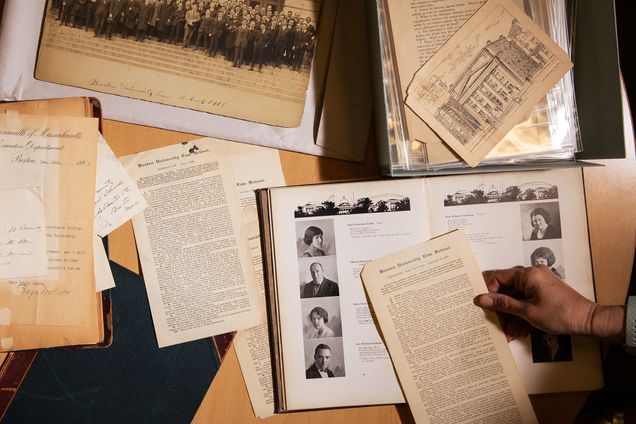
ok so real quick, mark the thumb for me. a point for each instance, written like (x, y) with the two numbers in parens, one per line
(501, 303)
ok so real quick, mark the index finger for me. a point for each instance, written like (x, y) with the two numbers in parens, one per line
(505, 280)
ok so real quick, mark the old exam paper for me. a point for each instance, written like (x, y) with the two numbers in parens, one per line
(57, 157)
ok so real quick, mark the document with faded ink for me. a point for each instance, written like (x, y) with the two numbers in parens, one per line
(117, 198)
(452, 358)
(486, 79)
(254, 170)
(192, 246)
(57, 157)
(22, 234)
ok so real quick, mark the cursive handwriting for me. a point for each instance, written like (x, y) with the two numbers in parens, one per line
(149, 93)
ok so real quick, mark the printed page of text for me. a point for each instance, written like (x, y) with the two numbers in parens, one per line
(452, 358)
(253, 170)
(192, 247)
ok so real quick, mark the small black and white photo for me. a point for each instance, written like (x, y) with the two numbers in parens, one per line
(540, 221)
(545, 252)
(315, 238)
(321, 318)
(318, 277)
(548, 347)
(324, 358)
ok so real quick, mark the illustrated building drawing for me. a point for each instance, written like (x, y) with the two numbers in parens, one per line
(493, 83)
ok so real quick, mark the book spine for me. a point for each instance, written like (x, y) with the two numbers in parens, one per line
(12, 372)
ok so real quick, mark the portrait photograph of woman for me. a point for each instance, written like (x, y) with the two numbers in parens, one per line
(548, 253)
(315, 238)
(541, 221)
(321, 318)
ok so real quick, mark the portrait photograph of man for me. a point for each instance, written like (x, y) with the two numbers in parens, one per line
(324, 359)
(548, 347)
(320, 285)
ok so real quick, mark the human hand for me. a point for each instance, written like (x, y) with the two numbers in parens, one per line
(535, 296)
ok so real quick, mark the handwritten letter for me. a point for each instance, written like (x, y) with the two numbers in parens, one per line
(117, 198)
(22, 236)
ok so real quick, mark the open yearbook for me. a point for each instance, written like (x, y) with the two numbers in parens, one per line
(316, 240)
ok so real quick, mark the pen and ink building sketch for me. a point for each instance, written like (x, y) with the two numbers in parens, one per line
(247, 59)
(350, 205)
(493, 84)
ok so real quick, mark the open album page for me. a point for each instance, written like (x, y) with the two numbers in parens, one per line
(528, 218)
(451, 357)
(253, 170)
(332, 354)
(192, 247)
(48, 168)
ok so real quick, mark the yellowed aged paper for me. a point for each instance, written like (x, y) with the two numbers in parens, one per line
(451, 357)
(257, 169)
(486, 79)
(221, 82)
(419, 29)
(192, 246)
(22, 233)
(252, 344)
(61, 308)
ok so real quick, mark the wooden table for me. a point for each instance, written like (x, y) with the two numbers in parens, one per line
(612, 223)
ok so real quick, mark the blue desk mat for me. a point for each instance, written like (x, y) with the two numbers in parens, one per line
(130, 381)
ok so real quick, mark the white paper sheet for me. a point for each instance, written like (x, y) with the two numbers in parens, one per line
(117, 198)
(103, 276)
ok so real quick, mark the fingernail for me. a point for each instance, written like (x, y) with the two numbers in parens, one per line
(483, 301)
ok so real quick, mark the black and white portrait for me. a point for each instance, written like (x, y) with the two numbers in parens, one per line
(545, 252)
(540, 221)
(321, 317)
(324, 358)
(315, 238)
(550, 347)
(318, 277)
